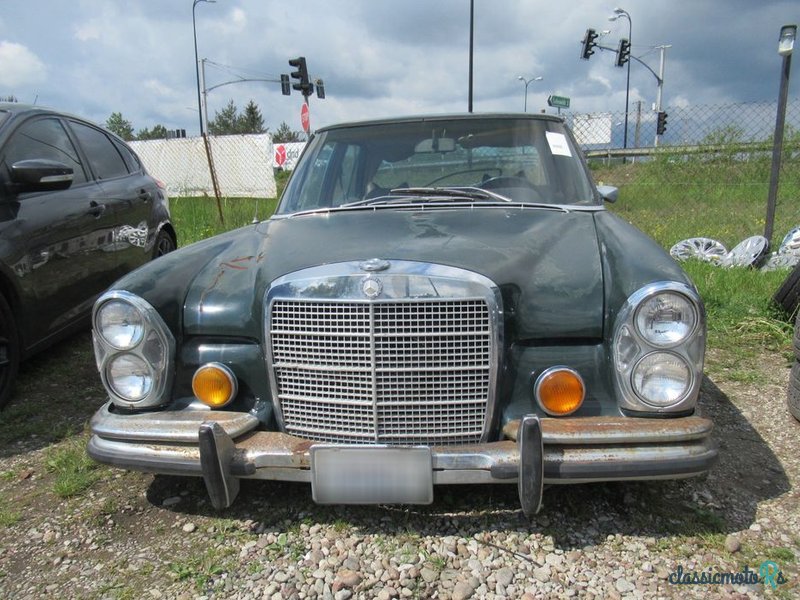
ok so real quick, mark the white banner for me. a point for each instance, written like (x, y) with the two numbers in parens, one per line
(286, 155)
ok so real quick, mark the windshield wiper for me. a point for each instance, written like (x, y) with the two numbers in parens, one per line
(473, 193)
(431, 194)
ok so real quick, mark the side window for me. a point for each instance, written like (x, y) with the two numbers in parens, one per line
(307, 195)
(106, 161)
(43, 139)
(131, 160)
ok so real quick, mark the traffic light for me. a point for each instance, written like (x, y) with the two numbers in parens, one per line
(286, 88)
(661, 124)
(301, 75)
(588, 43)
(320, 89)
(623, 52)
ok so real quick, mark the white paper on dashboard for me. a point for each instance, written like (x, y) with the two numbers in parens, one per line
(558, 143)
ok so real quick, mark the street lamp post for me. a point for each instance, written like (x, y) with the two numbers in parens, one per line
(785, 47)
(618, 13)
(197, 61)
(527, 82)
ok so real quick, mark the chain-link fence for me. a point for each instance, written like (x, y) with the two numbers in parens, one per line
(710, 160)
(243, 165)
(686, 125)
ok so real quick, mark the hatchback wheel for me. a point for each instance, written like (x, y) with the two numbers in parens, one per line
(9, 352)
(164, 244)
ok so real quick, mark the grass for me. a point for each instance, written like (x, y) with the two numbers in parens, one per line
(74, 471)
(8, 516)
(196, 218)
(202, 568)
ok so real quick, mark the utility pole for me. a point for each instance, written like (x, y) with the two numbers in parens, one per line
(471, 35)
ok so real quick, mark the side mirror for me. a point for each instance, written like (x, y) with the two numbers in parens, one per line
(39, 175)
(608, 192)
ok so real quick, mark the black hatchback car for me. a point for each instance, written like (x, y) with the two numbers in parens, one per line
(77, 211)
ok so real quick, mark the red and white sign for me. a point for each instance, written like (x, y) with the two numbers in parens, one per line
(285, 155)
(280, 155)
(305, 118)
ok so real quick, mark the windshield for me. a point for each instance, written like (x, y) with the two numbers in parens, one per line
(516, 159)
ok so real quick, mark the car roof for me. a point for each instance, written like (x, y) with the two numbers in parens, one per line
(444, 117)
(16, 109)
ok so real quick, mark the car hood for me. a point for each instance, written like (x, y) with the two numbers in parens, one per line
(545, 262)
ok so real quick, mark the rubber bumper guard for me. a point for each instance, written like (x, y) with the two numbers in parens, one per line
(216, 454)
(530, 481)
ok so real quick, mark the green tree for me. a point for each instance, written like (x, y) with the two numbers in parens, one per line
(159, 132)
(286, 135)
(252, 121)
(226, 121)
(229, 121)
(120, 126)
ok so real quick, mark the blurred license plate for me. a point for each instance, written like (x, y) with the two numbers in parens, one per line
(371, 475)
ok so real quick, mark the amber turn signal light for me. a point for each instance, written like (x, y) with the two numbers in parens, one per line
(559, 391)
(214, 385)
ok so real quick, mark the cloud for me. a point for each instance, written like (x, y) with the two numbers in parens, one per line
(88, 31)
(20, 66)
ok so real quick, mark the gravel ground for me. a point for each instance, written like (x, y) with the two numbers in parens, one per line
(132, 535)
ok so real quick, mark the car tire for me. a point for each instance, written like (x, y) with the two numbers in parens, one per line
(796, 337)
(164, 244)
(9, 352)
(788, 295)
(793, 396)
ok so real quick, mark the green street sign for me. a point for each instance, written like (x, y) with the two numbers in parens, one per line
(558, 101)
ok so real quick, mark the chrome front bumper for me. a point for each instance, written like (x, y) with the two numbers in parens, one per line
(224, 446)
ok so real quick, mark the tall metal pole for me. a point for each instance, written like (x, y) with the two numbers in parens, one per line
(471, 36)
(777, 146)
(204, 107)
(197, 61)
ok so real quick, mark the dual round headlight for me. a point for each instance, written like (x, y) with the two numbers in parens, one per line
(121, 325)
(661, 375)
(133, 348)
(658, 348)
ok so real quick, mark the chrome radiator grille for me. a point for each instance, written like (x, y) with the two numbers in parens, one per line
(399, 372)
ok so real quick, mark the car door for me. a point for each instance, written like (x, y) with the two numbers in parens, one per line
(128, 195)
(54, 240)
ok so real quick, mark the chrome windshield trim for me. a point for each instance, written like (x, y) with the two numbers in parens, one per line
(445, 205)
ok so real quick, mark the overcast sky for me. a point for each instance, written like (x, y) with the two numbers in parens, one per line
(380, 57)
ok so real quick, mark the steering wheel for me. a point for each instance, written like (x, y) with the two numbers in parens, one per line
(456, 173)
